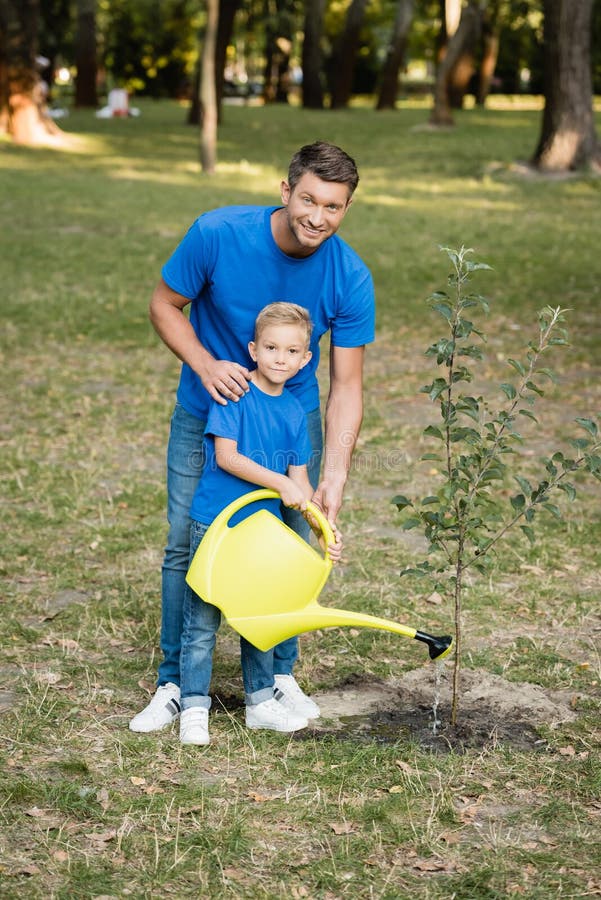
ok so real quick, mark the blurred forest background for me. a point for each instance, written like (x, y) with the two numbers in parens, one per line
(59, 54)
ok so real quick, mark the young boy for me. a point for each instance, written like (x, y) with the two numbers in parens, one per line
(261, 441)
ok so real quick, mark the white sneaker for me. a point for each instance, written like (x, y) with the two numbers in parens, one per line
(194, 726)
(288, 693)
(272, 715)
(163, 709)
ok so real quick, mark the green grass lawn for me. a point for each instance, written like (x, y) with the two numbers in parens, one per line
(89, 809)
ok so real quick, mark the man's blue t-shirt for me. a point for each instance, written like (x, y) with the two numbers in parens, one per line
(272, 431)
(230, 267)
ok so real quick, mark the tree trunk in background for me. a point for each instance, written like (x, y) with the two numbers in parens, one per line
(278, 31)
(225, 27)
(490, 54)
(568, 139)
(23, 103)
(208, 94)
(345, 54)
(85, 54)
(312, 59)
(395, 56)
(464, 38)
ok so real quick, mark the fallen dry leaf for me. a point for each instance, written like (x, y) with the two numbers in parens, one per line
(405, 767)
(135, 779)
(567, 751)
(342, 827)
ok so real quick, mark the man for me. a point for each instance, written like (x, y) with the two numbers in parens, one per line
(232, 262)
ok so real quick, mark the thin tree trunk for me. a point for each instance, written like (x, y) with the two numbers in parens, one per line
(395, 56)
(568, 139)
(312, 58)
(208, 94)
(345, 54)
(465, 37)
(225, 28)
(85, 54)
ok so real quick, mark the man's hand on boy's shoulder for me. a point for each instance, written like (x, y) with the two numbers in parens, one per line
(225, 380)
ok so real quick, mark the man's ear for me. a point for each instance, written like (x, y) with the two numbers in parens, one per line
(252, 350)
(285, 192)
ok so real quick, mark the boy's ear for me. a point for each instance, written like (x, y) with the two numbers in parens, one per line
(252, 351)
(307, 357)
(285, 192)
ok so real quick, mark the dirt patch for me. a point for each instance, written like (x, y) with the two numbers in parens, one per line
(493, 711)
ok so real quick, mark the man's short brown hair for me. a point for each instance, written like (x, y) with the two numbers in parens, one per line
(326, 161)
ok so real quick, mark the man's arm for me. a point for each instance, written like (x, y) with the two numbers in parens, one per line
(223, 379)
(344, 414)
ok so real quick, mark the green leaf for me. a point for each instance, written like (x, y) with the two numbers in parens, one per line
(445, 310)
(431, 456)
(509, 390)
(529, 532)
(517, 365)
(534, 387)
(518, 502)
(431, 499)
(554, 510)
(526, 412)
(524, 484)
(589, 426)
(401, 501)
(568, 489)
(434, 431)
(408, 524)
(437, 387)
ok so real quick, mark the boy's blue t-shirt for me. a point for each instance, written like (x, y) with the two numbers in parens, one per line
(230, 267)
(271, 431)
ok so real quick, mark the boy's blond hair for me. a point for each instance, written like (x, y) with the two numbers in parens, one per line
(283, 313)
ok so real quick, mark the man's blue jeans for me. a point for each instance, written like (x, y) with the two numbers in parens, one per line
(185, 459)
(201, 624)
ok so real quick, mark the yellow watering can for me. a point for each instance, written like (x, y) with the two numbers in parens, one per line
(266, 580)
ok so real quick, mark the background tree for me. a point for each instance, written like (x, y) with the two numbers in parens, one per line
(85, 54)
(568, 139)
(208, 93)
(279, 28)
(462, 41)
(395, 55)
(312, 54)
(490, 50)
(344, 54)
(225, 28)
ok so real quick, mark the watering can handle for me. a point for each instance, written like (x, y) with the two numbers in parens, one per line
(267, 494)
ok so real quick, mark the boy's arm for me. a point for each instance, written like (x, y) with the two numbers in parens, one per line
(228, 459)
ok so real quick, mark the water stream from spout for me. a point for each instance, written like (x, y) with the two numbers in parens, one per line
(438, 670)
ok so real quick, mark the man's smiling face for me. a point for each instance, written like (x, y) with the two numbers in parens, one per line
(314, 211)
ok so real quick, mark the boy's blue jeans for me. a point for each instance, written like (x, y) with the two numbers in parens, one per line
(201, 624)
(185, 460)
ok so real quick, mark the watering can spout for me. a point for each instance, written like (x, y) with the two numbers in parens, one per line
(266, 580)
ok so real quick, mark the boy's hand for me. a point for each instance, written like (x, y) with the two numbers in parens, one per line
(292, 494)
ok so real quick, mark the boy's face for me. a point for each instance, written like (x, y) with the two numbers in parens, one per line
(315, 210)
(280, 352)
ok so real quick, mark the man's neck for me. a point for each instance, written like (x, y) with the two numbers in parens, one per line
(284, 237)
